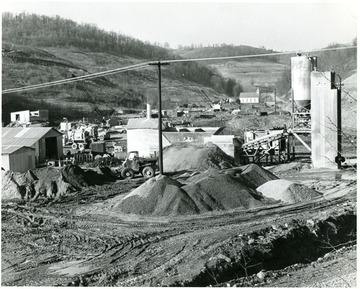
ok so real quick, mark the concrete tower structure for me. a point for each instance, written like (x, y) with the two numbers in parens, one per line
(325, 122)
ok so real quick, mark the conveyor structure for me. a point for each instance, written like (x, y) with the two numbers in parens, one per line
(271, 148)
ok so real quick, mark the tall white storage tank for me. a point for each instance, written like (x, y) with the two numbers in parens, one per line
(300, 82)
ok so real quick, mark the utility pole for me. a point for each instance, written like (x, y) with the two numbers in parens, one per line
(275, 99)
(339, 158)
(161, 167)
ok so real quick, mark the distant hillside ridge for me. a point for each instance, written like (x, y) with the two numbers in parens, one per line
(274, 70)
(225, 50)
(43, 31)
(38, 49)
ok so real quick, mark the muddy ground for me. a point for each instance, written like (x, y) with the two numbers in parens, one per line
(78, 241)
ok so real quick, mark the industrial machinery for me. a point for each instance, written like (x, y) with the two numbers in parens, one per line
(266, 147)
(134, 164)
(78, 136)
(215, 106)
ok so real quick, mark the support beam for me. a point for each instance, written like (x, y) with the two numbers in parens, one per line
(301, 140)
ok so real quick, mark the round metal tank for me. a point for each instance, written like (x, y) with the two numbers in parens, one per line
(300, 81)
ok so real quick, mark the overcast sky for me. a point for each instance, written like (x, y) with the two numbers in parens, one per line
(282, 25)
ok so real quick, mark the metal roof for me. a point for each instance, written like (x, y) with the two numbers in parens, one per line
(24, 136)
(248, 94)
(143, 123)
(207, 129)
(9, 149)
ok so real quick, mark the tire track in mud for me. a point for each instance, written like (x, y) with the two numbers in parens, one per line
(139, 252)
(183, 248)
(129, 247)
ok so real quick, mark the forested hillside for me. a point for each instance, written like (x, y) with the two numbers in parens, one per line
(38, 49)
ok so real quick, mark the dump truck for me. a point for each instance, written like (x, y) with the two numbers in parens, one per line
(133, 164)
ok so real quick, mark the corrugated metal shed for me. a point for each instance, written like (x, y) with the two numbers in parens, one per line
(9, 149)
(17, 158)
(27, 136)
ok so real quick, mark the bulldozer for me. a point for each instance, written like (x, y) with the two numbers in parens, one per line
(133, 164)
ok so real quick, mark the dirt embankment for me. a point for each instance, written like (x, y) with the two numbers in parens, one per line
(349, 103)
(50, 182)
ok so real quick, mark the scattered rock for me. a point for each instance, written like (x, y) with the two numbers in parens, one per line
(261, 275)
(311, 223)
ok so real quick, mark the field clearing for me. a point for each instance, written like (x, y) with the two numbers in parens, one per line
(252, 73)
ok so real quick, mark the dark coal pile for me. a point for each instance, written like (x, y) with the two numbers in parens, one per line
(187, 157)
(77, 177)
(105, 173)
(159, 196)
(287, 191)
(51, 182)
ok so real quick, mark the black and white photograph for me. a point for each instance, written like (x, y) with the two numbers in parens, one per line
(179, 143)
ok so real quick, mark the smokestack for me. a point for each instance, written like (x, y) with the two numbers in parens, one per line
(148, 110)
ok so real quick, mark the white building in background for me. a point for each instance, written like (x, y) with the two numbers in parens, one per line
(27, 116)
(249, 97)
(143, 136)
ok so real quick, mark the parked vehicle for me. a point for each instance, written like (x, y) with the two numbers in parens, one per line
(133, 165)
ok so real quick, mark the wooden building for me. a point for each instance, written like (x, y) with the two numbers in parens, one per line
(46, 141)
(17, 158)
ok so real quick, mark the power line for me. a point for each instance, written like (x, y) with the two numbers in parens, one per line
(332, 82)
(74, 79)
(253, 55)
(144, 64)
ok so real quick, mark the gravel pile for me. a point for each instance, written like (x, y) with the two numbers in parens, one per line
(287, 191)
(254, 175)
(159, 196)
(187, 157)
(211, 190)
(217, 191)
